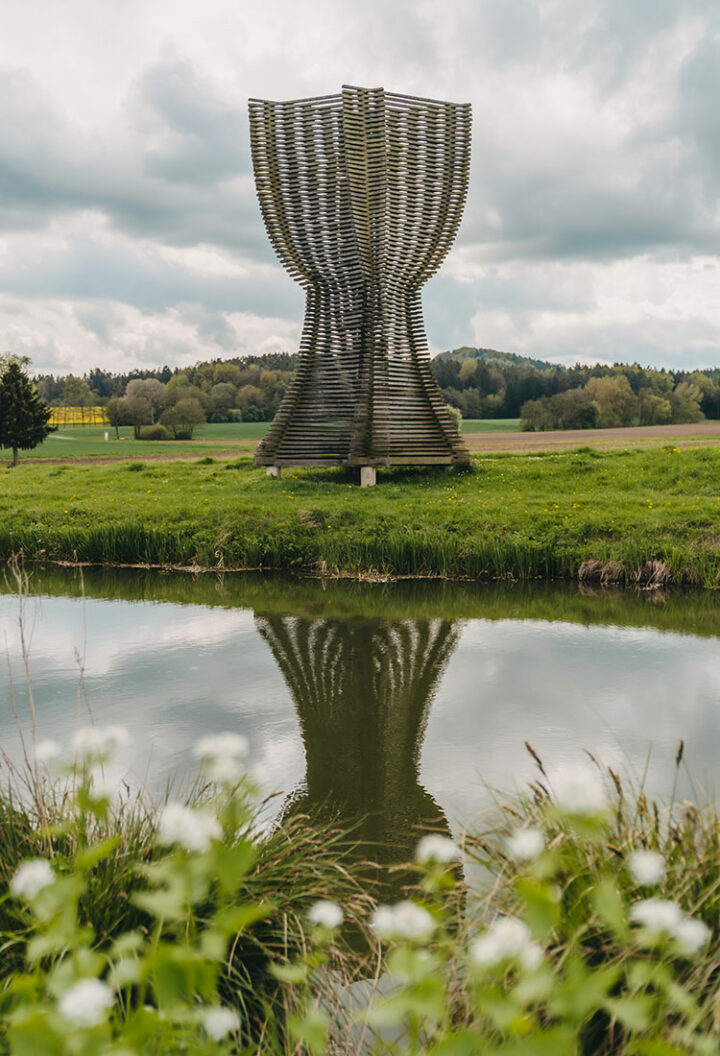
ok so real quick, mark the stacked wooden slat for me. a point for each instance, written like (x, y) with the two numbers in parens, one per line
(361, 193)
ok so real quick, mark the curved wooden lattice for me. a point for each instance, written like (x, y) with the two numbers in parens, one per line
(362, 194)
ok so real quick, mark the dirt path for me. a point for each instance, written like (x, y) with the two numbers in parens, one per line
(183, 456)
(562, 439)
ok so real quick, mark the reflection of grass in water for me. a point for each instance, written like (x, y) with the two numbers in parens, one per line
(685, 612)
(527, 516)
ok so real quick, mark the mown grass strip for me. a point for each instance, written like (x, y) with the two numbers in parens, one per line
(525, 516)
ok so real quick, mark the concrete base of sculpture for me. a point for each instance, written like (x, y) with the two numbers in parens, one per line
(368, 477)
(274, 471)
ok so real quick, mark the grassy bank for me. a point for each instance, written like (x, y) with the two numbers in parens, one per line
(525, 516)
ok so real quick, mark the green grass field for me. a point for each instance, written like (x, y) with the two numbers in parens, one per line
(531, 515)
(490, 425)
(90, 442)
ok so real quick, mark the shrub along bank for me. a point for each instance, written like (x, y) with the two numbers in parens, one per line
(545, 515)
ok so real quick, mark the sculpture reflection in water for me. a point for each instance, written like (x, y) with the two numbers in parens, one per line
(363, 689)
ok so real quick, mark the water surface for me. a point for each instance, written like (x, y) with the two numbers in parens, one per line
(410, 701)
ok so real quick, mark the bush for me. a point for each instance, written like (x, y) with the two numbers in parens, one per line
(182, 418)
(253, 413)
(456, 415)
(155, 432)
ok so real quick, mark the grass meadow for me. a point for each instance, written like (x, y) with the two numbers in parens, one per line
(537, 515)
(89, 441)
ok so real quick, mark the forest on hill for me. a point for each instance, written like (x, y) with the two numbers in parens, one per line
(484, 383)
(480, 382)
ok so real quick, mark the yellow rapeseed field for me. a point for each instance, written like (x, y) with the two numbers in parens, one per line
(78, 416)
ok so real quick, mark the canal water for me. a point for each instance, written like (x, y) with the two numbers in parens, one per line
(409, 701)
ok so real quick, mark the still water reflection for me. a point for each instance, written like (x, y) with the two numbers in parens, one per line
(405, 702)
(362, 688)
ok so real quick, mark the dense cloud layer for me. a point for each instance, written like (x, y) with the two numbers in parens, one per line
(129, 229)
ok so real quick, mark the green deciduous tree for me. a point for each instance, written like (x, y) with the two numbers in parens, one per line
(117, 413)
(614, 397)
(685, 399)
(149, 389)
(139, 412)
(183, 417)
(24, 418)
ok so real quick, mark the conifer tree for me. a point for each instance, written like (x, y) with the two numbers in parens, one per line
(24, 418)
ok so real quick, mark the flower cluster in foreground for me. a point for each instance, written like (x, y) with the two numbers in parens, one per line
(86, 1003)
(507, 939)
(405, 922)
(532, 979)
(647, 868)
(193, 828)
(222, 756)
(30, 878)
(660, 918)
(326, 914)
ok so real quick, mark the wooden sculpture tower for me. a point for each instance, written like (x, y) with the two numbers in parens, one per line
(361, 193)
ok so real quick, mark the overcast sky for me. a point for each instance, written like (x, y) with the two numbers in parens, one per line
(129, 229)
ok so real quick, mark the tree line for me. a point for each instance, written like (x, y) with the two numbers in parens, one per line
(483, 383)
(170, 403)
(480, 383)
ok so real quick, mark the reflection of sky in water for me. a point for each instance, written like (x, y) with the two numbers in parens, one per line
(172, 673)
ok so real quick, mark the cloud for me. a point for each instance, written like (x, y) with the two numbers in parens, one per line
(643, 309)
(69, 336)
(595, 145)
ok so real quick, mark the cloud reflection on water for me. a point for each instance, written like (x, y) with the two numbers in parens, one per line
(173, 672)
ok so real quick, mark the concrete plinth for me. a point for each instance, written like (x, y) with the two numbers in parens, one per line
(368, 477)
(274, 471)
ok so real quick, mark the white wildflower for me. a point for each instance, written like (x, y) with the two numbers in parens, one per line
(659, 916)
(103, 783)
(192, 829)
(532, 956)
(526, 843)
(46, 752)
(656, 915)
(691, 935)
(505, 939)
(93, 741)
(31, 877)
(578, 791)
(326, 914)
(403, 921)
(88, 740)
(647, 868)
(86, 1003)
(116, 737)
(436, 848)
(222, 756)
(219, 1022)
